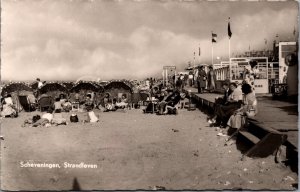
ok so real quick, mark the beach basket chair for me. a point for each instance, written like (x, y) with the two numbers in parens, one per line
(26, 104)
(45, 103)
(143, 98)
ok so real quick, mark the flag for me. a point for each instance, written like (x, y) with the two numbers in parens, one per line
(214, 37)
(266, 41)
(229, 30)
(199, 51)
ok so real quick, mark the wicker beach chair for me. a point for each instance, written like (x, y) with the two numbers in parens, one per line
(45, 102)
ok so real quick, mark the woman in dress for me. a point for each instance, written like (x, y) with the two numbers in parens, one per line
(8, 108)
(211, 79)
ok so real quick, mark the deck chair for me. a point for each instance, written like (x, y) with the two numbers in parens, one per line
(45, 103)
(25, 103)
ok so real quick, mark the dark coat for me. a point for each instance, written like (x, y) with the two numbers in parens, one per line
(202, 78)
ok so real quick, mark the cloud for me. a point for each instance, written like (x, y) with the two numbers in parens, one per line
(58, 40)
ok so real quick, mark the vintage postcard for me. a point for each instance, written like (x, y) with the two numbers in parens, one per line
(149, 95)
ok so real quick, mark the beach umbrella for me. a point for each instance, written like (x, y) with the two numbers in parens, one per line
(15, 87)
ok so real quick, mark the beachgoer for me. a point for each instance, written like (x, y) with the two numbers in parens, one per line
(46, 119)
(8, 108)
(57, 105)
(201, 79)
(250, 73)
(223, 112)
(211, 79)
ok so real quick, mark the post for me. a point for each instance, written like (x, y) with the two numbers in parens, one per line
(229, 50)
(194, 64)
(229, 69)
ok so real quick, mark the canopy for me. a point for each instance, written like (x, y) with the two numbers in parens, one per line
(53, 86)
(119, 84)
(68, 85)
(86, 85)
(15, 87)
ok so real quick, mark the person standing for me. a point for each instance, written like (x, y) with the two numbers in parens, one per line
(211, 79)
(39, 86)
(191, 79)
(201, 80)
(250, 73)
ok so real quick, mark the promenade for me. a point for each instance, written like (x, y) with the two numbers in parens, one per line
(272, 114)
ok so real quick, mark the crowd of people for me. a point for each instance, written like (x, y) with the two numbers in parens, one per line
(238, 101)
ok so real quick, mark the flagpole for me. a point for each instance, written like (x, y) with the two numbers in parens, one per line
(194, 66)
(229, 37)
(229, 50)
(212, 53)
(229, 60)
(199, 53)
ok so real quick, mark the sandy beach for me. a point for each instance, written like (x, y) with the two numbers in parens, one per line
(131, 150)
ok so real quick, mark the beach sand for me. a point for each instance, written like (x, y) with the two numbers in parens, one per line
(132, 150)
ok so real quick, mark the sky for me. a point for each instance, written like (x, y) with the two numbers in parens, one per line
(102, 39)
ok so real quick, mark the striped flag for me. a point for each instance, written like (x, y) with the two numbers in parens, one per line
(229, 30)
(199, 51)
(214, 37)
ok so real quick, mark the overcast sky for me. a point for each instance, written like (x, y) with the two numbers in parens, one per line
(66, 40)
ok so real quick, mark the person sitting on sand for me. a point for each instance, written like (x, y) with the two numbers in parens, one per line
(57, 105)
(122, 103)
(8, 108)
(65, 103)
(172, 102)
(168, 103)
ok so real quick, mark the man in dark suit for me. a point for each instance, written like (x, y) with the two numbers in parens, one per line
(221, 100)
(227, 92)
